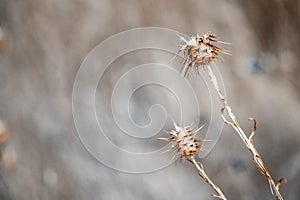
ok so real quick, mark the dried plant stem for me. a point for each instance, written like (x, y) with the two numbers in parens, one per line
(203, 175)
(247, 140)
(185, 145)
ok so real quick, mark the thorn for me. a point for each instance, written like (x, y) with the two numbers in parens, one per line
(181, 38)
(170, 61)
(176, 127)
(222, 42)
(201, 127)
(168, 149)
(217, 196)
(206, 140)
(175, 157)
(227, 53)
(165, 139)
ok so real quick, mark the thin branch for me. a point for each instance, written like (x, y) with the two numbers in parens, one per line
(247, 141)
(203, 175)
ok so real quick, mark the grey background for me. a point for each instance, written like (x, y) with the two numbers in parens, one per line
(42, 46)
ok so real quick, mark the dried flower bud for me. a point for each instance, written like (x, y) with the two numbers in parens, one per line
(183, 141)
(199, 51)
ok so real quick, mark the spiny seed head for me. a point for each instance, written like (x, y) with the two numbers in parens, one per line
(199, 50)
(183, 141)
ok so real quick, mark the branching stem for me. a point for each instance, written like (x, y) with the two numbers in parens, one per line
(247, 141)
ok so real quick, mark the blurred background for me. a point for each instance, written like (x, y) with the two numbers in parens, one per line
(43, 43)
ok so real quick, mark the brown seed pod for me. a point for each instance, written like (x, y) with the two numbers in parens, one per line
(184, 143)
(199, 51)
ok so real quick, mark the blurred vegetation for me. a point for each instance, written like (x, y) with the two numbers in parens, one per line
(42, 44)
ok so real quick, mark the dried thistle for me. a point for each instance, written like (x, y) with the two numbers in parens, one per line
(185, 144)
(183, 141)
(201, 51)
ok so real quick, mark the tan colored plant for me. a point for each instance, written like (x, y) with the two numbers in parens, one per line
(3, 136)
(200, 51)
(184, 144)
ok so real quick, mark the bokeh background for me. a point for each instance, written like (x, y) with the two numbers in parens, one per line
(43, 43)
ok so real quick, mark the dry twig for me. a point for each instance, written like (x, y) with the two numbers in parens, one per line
(201, 51)
(248, 141)
(203, 175)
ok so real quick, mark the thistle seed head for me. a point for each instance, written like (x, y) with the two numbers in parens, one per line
(199, 51)
(183, 141)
